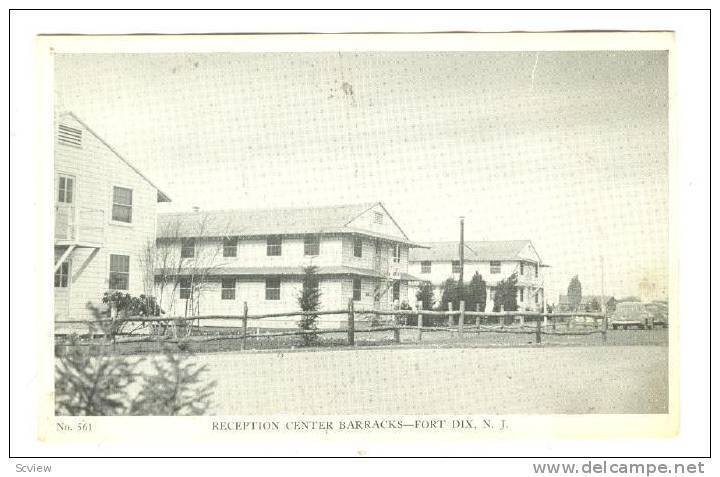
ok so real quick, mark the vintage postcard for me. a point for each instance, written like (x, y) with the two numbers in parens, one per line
(358, 240)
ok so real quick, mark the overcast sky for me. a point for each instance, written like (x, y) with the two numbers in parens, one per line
(568, 149)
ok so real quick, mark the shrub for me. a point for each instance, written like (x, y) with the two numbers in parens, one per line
(426, 295)
(128, 305)
(309, 301)
(174, 389)
(92, 386)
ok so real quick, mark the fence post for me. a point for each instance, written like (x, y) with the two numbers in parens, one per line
(396, 324)
(450, 320)
(351, 323)
(419, 306)
(461, 319)
(605, 327)
(244, 325)
(538, 334)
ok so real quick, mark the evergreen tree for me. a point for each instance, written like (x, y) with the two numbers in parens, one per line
(574, 293)
(174, 389)
(476, 293)
(610, 305)
(309, 300)
(450, 294)
(426, 295)
(92, 386)
(506, 294)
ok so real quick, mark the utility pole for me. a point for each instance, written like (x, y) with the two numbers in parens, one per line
(602, 283)
(462, 258)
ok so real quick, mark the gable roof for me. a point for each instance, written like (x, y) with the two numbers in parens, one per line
(264, 222)
(474, 251)
(161, 196)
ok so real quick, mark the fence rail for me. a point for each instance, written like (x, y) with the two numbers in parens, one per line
(544, 323)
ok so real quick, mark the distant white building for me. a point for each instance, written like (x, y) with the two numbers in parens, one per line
(105, 212)
(494, 260)
(217, 260)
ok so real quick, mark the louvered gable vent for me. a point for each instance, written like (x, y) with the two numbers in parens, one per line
(69, 136)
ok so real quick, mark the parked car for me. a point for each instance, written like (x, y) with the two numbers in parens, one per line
(631, 314)
(585, 322)
(659, 312)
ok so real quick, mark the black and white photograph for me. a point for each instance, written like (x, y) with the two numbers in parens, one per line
(460, 232)
(438, 242)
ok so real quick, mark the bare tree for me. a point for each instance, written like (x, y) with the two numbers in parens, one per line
(196, 272)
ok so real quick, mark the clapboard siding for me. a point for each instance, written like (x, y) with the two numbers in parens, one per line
(369, 252)
(97, 169)
(209, 301)
(252, 252)
(366, 221)
(442, 270)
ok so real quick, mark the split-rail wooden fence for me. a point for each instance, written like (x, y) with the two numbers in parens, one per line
(460, 322)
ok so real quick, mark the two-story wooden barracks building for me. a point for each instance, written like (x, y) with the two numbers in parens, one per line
(109, 237)
(494, 260)
(209, 263)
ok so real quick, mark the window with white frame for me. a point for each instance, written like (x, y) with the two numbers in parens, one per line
(272, 288)
(396, 253)
(456, 268)
(119, 272)
(378, 218)
(228, 289)
(62, 275)
(536, 270)
(521, 294)
(122, 204)
(311, 245)
(522, 268)
(494, 267)
(187, 248)
(357, 247)
(357, 289)
(66, 184)
(274, 246)
(185, 288)
(230, 246)
(425, 267)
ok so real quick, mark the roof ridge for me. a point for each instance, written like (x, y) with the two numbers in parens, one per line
(113, 150)
(250, 209)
